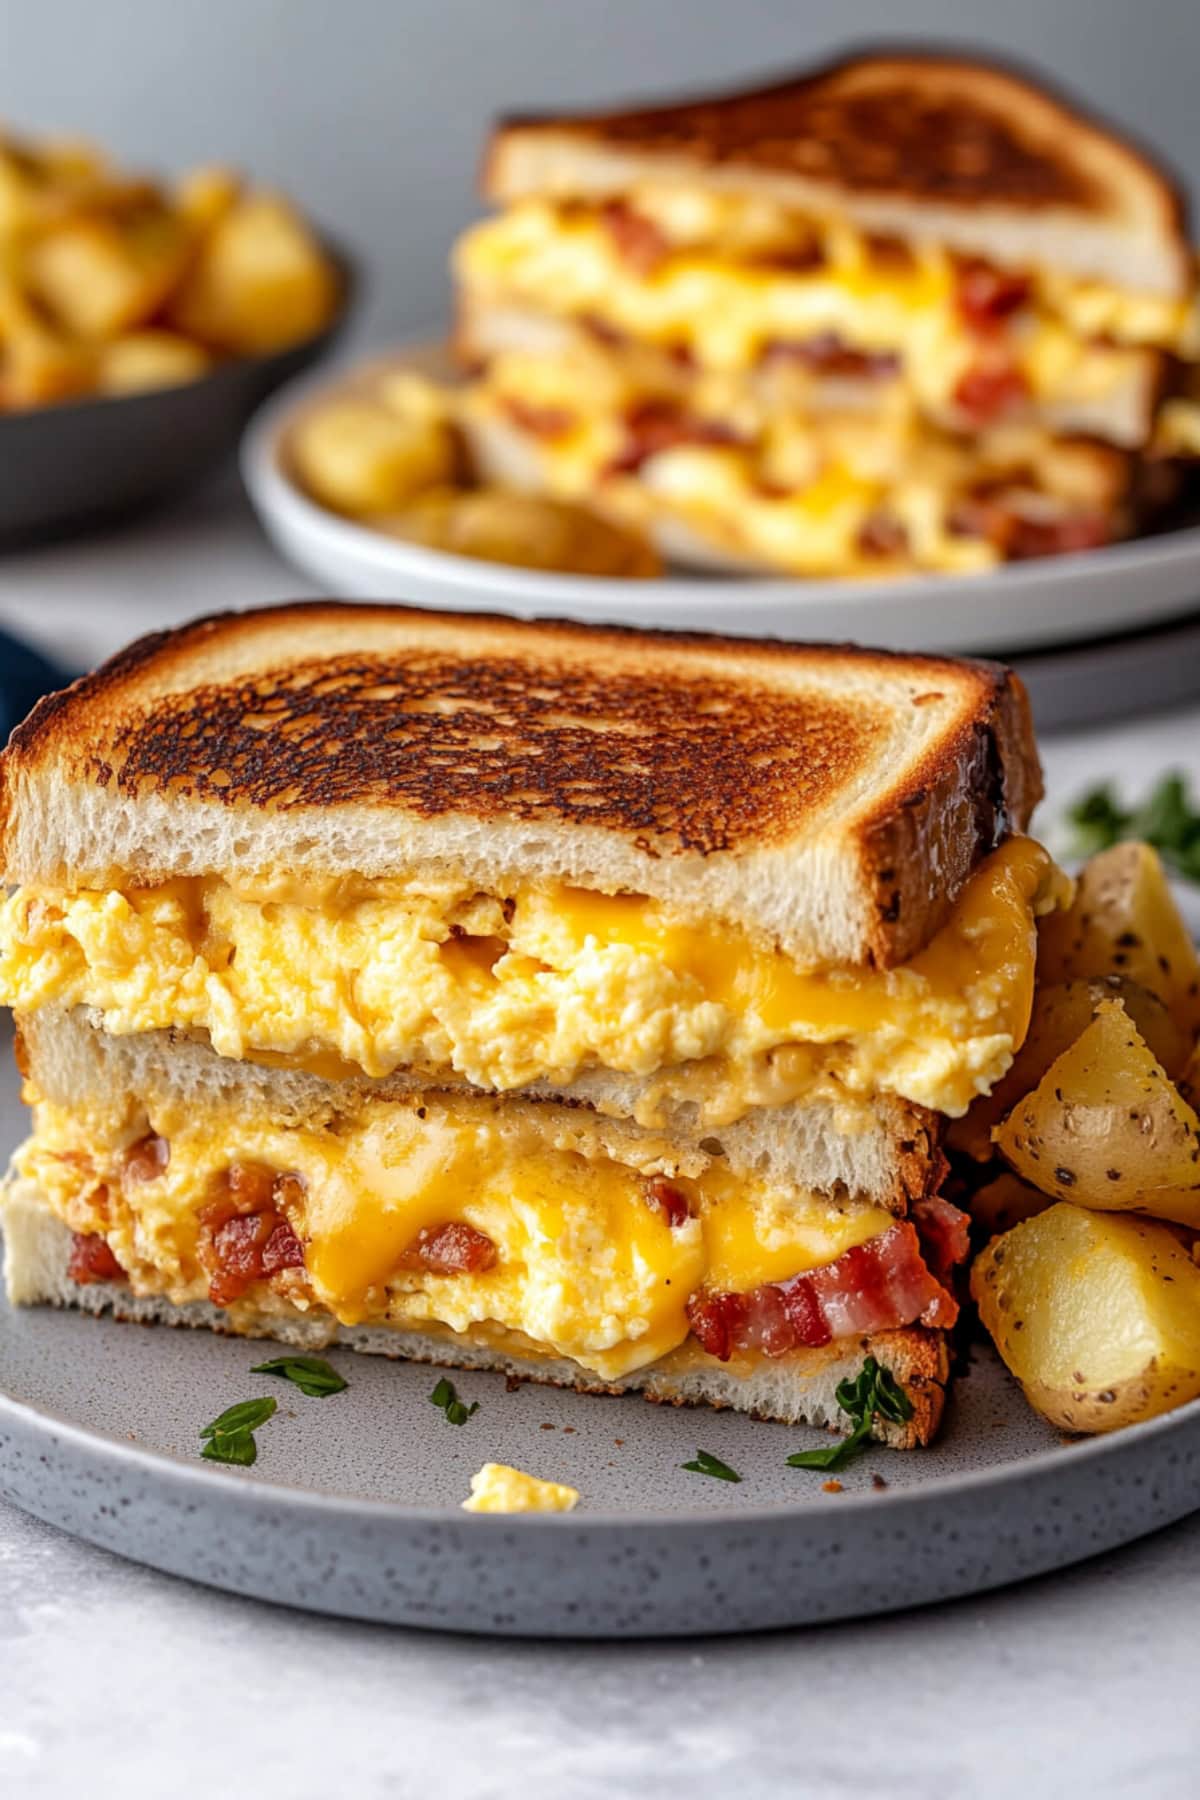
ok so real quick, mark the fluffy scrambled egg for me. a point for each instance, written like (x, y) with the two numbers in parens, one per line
(586, 1266)
(537, 986)
(497, 1488)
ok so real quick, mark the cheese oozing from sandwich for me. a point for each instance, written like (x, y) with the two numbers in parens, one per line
(541, 984)
(568, 1251)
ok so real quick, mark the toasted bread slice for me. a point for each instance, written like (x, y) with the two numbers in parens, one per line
(831, 800)
(797, 1389)
(889, 1158)
(916, 145)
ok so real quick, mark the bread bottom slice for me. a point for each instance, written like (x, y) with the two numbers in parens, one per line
(800, 1388)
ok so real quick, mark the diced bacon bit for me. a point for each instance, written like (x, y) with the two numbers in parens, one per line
(455, 1248)
(945, 1234)
(1019, 537)
(987, 296)
(92, 1260)
(877, 1286)
(828, 354)
(637, 239)
(654, 425)
(882, 534)
(539, 421)
(245, 1235)
(668, 1200)
(147, 1159)
(990, 391)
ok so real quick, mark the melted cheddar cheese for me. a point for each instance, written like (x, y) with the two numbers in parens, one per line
(539, 986)
(586, 1267)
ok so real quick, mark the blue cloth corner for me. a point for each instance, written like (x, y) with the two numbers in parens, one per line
(25, 675)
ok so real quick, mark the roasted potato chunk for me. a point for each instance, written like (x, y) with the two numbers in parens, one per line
(1124, 921)
(1004, 1202)
(259, 282)
(359, 457)
(100, 276)
(1061, 1012)
(525, 530)
(1105, 1127)
(1097, 1317)
(148, 359)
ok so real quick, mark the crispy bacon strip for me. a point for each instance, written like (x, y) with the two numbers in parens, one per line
(828, 354)
(92, 1260)
(655, 425)
(455, 1248)
(245, 1235)
(989, 392)
(877, 1286)
(987, 296)
(1018, 536)
(945, 1234)
(637, 239)
(667, 1199)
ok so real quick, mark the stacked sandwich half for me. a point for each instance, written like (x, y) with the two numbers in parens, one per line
(903, 312)
(575, 1003)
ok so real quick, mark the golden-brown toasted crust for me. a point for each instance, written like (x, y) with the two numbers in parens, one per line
(938, 129)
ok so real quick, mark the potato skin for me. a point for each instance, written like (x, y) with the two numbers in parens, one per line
(1124, 921)
(1097, 1316)
(1107, 1129)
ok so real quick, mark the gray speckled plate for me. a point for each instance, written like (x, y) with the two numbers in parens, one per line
(353, 1505)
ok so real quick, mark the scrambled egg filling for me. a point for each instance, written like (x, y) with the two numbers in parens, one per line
(497, 1488)
(726, 301)
(586, 1265)
(540, 985)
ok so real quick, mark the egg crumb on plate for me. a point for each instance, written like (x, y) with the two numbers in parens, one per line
(496, 1488)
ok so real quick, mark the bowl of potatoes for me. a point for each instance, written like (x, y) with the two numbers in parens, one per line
(140, 326)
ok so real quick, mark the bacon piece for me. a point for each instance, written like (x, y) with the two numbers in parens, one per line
(539, 421)
(828, 354)
(990, 391)
(92, 1260)
(945, 1234)
(451, 1249)
(654, 425)
(245, 1235)
(882, 534)
(877, 1286)
(987, 296)
(1019, 537)
(637, 240)
(146, 1159)
(668, 1200)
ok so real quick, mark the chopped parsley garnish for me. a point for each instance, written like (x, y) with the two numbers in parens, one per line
(230, 1437)
(445, 1396)
(705, 1464)
(311, 1374)
(873, 1393)
(1168, 820)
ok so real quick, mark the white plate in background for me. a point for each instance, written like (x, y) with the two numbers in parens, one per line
(1054, 600)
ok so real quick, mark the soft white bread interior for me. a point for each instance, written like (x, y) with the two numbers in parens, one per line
(913, 145)
(825, 798)
(886, 1153)
(797, 1389)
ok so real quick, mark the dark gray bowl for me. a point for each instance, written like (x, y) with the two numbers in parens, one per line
(81, 463)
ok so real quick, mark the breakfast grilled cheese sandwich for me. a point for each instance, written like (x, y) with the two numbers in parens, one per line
(943, 248)
(580, 1003)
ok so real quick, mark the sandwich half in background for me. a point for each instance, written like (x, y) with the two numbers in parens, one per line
(575, 1002)
(902, 311)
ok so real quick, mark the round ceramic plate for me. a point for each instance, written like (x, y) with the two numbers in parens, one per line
(354, 1504)
(1054, 600)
